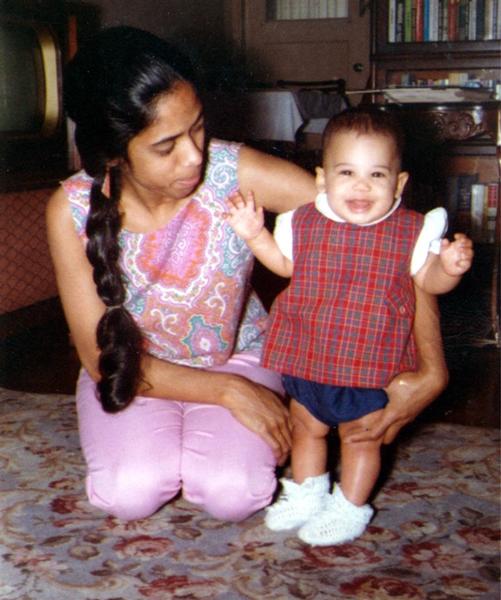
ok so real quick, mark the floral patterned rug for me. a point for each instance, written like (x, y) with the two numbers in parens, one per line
(435, 535)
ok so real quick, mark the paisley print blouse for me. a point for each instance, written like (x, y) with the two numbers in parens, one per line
(188, 282)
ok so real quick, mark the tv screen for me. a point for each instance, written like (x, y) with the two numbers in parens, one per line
(33, 140)
(21, 80)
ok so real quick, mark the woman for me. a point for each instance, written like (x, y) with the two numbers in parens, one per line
(155, 288)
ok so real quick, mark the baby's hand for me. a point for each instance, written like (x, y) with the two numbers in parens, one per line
(456, 257)
(246, 219)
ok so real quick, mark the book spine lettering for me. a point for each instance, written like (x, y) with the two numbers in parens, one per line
(462, 20)
(492, 210)
(419, 20)
(480, 25)
(452, 20)
(426, 21)
(408, 21)
(472, 20)
(465, 183)
(399, 23)
(478, 211)
(433, 18)
(488, 19)
(444, 20)
(392, 18)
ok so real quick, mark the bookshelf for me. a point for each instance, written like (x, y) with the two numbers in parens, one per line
(420, 49)
(470, 60)
(405, 54)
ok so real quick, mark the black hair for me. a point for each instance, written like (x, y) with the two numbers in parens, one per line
(110, 90)
(366, 120)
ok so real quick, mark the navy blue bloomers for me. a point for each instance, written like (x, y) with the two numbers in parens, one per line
(333, 404)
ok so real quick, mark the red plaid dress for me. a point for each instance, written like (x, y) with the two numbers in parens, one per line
(346, 318)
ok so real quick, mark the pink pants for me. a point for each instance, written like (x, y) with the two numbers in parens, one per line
(141, 457)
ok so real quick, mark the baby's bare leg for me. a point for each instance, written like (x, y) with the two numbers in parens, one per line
(360, 461)
(309, 443)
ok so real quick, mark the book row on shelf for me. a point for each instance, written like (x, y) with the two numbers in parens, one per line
(472, 206)
(470, 82)
(308, 9)
(443, 20)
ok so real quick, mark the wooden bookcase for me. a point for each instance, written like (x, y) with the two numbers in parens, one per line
(455, 137)
(447, 142)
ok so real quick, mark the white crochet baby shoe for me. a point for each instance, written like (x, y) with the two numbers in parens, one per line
(297, 502)
(340, 521)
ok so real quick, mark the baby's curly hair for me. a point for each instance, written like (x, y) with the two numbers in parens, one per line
(366, 120)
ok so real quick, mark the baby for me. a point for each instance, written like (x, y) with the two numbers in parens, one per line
(343, 327)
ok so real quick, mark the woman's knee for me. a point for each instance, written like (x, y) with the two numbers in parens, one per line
(131, 493)
(232, 497)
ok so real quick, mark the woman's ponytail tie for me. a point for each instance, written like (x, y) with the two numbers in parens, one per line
(112, 307)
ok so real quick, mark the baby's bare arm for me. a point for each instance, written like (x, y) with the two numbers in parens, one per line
(441, 274)
(247, 220)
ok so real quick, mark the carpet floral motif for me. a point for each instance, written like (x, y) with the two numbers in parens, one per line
(435, 535)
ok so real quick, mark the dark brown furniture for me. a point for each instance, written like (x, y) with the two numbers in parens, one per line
(445, 140)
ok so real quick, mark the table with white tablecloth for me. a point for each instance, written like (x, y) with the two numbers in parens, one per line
(273, 114)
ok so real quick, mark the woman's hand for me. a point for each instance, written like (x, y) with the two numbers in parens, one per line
(260, 410)
(411, 392)
(255, 406)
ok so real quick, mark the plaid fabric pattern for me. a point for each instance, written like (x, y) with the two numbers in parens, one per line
(346, 317)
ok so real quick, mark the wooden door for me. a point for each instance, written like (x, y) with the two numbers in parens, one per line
(309, 49)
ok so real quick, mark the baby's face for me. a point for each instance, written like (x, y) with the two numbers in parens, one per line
(361, 175)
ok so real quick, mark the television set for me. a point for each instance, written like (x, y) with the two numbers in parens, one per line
(33, 133)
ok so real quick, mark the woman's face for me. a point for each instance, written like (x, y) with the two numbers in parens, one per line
(165, 160)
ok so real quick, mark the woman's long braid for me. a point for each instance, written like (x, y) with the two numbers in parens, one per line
(111, 87)
(118, 336)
